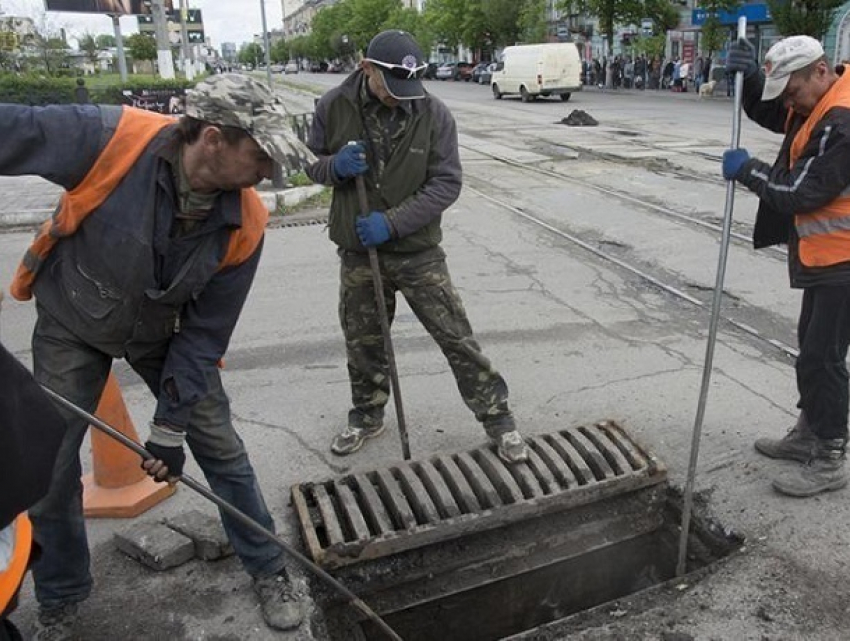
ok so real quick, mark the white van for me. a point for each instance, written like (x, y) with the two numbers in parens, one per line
(548, 69)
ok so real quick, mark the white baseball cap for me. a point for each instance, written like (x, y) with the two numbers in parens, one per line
(784, 58)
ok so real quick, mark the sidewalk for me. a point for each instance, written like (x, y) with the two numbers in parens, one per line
(27, 201)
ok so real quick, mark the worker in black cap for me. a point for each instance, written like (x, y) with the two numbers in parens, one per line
(408, 155)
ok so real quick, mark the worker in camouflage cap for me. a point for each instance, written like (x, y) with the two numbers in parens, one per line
(235, 100)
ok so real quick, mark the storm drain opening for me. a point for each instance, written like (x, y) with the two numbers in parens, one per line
(464, 547)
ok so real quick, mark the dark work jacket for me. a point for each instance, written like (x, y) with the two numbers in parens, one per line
(120, 283)
(31, 431)
(820, 174)
(421, 179)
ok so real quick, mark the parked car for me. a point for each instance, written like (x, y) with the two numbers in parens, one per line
(454, 71)
(276, 68)
(431, 71)
(480, 68)
(291, 67)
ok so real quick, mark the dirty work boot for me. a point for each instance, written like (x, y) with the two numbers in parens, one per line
(278, 601)
(798, 444)
(824, 473)
(511, 448)
(351, 438)
(57, 624)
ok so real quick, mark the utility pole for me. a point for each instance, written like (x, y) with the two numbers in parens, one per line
(266, 43)
(163, 46)
(188, 63)
(119, 45)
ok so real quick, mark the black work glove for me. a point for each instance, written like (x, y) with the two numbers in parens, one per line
(166, 444)
(741, 57)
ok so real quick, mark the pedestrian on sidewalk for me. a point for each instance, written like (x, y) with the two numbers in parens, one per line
(409, 159)
(804, 202)
(149, 258)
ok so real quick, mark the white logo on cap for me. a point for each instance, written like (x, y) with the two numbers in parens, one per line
(409, 61)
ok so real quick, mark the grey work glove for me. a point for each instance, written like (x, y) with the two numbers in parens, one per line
(742, 57)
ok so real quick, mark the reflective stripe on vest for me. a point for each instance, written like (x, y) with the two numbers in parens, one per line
(135, 130)
(11, 578)
(825, 233)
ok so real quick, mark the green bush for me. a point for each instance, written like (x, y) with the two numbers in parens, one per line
(32, 89)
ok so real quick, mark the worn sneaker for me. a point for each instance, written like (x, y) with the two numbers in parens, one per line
(57, 624)
(823, 473)
(799, 444)
(280, 605)
(511, 448)
(351, 438)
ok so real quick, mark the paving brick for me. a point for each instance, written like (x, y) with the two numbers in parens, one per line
(155, 545)
(206, 532)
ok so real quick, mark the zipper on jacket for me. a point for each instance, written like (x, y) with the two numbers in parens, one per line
(177, 323)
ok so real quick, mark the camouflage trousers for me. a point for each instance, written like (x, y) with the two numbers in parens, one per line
(423, 279)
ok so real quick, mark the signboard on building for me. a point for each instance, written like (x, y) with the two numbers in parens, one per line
(8, 41)
(752, 12)
(194, 26)
(116, 7)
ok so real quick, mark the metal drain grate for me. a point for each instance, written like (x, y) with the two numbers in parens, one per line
(369, 515)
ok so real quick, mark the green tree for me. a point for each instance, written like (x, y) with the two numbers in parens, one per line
(52, 54)
(251, 54)
(503, 21)
(532, 21)
(803, 17)
(280, 51)
(610, 13)
(88, 45)
(329, 26)
(446, 20)
(105, 41)
(141, 46)
(367, 17)
(713, 34)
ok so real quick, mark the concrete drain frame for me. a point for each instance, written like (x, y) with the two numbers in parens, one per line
(463, 547)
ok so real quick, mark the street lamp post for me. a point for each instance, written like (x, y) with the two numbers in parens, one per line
(119, 46)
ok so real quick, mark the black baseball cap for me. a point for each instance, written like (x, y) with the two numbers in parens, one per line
(401, 62)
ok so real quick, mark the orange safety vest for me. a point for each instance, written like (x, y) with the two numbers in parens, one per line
(135, 130)
(825, 233)
(13, 575)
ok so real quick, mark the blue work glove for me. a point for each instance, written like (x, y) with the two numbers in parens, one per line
(373, 229)
(350, 161)
(733, 160)
(741, 57)
(166, 445)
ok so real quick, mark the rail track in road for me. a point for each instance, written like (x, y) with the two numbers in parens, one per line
(663, 282)
(667, 212)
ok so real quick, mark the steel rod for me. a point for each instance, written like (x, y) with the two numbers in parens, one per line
(712, 329)
(385, 325)
(232, 511)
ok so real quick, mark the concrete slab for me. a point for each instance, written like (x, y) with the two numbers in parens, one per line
(206, 532)
(155, 545)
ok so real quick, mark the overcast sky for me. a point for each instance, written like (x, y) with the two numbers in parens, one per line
(224, 20)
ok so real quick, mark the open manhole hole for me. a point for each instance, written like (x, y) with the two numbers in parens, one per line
(465, 548)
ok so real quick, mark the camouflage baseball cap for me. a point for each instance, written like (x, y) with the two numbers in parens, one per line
(235, 100)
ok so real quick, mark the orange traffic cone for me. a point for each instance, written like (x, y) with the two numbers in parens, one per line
(118, 487)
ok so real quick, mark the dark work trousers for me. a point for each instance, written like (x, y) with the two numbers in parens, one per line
(824, 334)
(78, 372)
(423, 279)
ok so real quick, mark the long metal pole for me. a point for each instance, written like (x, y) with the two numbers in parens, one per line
(266, 43)
(385, 324)
(119, 47)
(231, 510)
(712, 330)
(188, 63)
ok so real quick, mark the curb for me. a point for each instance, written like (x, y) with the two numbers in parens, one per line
(274, 200)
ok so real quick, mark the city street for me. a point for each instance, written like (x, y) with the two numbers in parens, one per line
(586, 258)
